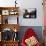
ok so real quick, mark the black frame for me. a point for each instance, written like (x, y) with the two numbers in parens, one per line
(31, 14)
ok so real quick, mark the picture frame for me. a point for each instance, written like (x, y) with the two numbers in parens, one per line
(13, 12)
(30, 13)
(10, 19)
(5, 12)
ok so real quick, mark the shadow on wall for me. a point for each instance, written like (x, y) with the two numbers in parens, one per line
(37, 29)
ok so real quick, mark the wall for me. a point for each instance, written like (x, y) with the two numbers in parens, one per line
(32, 22)
(27, 4)
(7, 3)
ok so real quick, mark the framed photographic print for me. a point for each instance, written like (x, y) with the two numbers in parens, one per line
(13, 12)
(5, 12)
(30, 13)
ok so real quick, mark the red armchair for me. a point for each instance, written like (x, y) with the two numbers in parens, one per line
(30, 35)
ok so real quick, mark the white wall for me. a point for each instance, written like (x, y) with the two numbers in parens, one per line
(7, 3)
(32, 22)
(27, 4)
